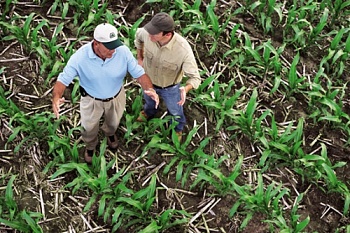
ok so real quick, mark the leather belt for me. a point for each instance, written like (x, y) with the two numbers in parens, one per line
(105, 100)
(164, 87)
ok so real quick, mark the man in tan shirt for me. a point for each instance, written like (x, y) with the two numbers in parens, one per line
(166, 57)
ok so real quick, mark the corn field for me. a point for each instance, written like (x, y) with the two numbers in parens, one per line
(266, 147)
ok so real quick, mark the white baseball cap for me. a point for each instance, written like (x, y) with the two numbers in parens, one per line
(107, 34)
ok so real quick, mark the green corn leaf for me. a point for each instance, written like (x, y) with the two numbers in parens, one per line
(234, 209)
(131, 202)
(15, 224)
(246, 220)
(9, 198)
(35, 228)
(347, 203)
(330, 174)
(117, 212)
(337, 55)
(335, 42)
(14, 133)
(213, 19)
(347, 43)
(179, 170)
(301, 226)
(214, 171)
(151, 228)
(102, 204)
(172, 162)
(259, 192)
(283, 147)
(322, 23)
(252, 104)
(91, 201)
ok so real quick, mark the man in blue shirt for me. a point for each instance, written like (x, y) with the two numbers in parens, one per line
(101, 66)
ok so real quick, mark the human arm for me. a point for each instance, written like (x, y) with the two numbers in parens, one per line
(183, 91)
(140, 57)
(57, 99)
(139, 46)
(147, 87)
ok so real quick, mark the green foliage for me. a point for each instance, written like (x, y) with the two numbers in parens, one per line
(12, 217)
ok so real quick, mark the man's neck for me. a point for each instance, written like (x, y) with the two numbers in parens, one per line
(166, 40)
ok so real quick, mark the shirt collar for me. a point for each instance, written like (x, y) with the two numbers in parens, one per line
(171, 42)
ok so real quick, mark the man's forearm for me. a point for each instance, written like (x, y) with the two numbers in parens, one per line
(145, 82)
(140, 54)
(58, 90)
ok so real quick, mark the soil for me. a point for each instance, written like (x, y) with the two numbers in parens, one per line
(23, 77)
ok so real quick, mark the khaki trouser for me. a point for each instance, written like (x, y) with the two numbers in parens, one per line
(91, 112)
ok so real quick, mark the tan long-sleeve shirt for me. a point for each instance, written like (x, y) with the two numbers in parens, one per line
(167, 65)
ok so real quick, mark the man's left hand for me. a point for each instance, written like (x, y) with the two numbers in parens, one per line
(183, 96)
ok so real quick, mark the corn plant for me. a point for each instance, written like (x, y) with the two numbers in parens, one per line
(35, 128)
(245, 122)
(294, 224)
(6, 9)
(217, 99)
(339, 10)
(209, 174)
(280, 146)
(186, 159)
(26, 33)
(326, 104)
(300, 30)
(295, 83)
(264, 11)
(131, 31)
(338, 54)
(11, 216)
(319, 167)
(267, 201)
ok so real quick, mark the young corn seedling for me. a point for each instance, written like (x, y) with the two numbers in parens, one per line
(338, 9)
(267, 201)
(338, 53)
(209, 174)
(186, 159)
(131, 31)
(265, 10)
(294, 225)
(299, 22)
(12, 217)
(281, 144)
(218, 100)
(327, 104)
(26, 33)
(295, 83)
(319, 167)
(245, 121)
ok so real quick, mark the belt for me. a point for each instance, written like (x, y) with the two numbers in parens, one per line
(105, 100)
(164, 87)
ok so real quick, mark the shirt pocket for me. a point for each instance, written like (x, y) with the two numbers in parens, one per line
(169, 70)
(149, 58)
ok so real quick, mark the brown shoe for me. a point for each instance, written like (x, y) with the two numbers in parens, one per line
(112, 142)
(88, 155)
(179, 135)
(142, 117)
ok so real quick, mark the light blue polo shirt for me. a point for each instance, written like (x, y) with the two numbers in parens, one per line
(101, 79)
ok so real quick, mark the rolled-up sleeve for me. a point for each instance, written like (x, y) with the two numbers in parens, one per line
(190, 70)
(139, 38)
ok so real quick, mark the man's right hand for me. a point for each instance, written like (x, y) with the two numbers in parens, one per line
(56, 106)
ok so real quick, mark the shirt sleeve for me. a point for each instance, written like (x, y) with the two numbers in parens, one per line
(134, 69)
(69, 72)
(190, 69)
(139, 38)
